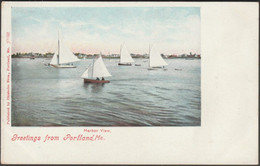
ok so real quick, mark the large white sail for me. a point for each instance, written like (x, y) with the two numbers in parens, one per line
(85, 74)
(65, 55)
(99, 68)
(125, 57)
(155, 59)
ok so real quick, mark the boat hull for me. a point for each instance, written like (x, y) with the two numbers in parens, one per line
(95, 81)
(152, 68)
(156, 68)
(63, 66)
(125, 64)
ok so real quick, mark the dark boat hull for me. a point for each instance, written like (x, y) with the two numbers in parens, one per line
(125, 64)
(152, 68)
(156, 68)
(95, 81)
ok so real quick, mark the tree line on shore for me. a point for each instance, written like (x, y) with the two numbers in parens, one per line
(81, 55)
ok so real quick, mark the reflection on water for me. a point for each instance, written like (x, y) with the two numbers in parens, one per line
(86, 85)
(47, 96)
(95, 88)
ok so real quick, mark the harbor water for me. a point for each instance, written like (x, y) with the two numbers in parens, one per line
(46, 96)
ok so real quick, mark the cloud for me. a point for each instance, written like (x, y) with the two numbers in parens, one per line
(91, 36)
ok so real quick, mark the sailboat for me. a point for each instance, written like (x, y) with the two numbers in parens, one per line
(63, 58)
(155, 60)
(97, 69)
(125, 57)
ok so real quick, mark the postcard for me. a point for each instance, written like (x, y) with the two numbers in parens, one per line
(129, 83)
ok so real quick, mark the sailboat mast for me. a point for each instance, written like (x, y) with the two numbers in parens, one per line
(120, 53)
(58, 49)
(92, 67)
(149, 56)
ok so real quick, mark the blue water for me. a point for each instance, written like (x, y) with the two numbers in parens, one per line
(47, 96)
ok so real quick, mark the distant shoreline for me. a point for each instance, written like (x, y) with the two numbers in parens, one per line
(105, 57)
(112, 57)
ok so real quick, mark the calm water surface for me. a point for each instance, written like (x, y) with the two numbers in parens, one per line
(47, 96)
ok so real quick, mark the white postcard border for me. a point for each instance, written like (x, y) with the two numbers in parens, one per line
(229, 93)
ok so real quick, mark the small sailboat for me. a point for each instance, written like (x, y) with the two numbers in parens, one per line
(63, 58)
(32, 57)
(155, 60)
(125, 57)
(98, 69)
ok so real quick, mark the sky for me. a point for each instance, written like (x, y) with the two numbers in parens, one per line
(172, 30)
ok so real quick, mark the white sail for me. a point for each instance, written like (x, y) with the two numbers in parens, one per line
(99, 68)
(54, 59)
(125, 57)
(65, 55)
(85, 74)
(155, 59)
